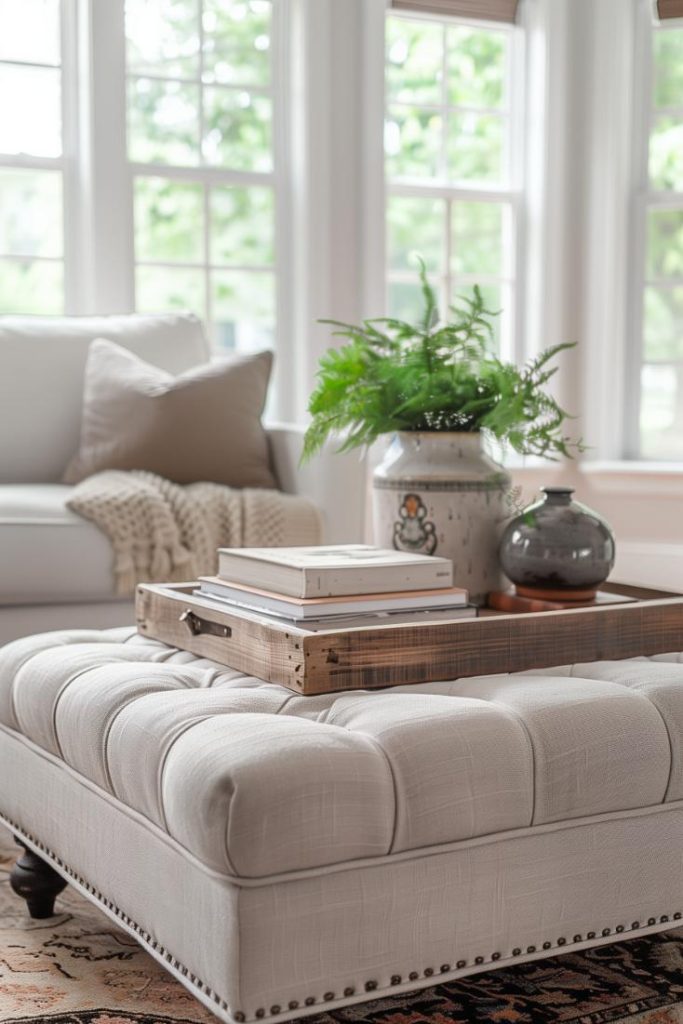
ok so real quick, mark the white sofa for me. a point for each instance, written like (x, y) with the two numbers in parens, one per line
(55, 567)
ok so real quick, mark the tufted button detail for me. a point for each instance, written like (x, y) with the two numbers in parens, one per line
(547, 945)
(460, 964)
(370, 986)
(577, 938)
(395, 979)
(635, 924)
(677, 915)
(260, 1013)
(350, 991)
(606, 931)
(328, 997)
(239, 1017)
(495, 956)
(562, 942)
(293, 1005)
(445, 968)
(428, 972)
(531, 949)
(619, 929)
(478, 959)
(516, 951)
(652, 920)
(274, 1010)
(413, 976)
(664, 918)
(590, 935)
(309, 1001)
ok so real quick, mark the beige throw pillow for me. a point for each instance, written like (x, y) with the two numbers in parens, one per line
(203, 425)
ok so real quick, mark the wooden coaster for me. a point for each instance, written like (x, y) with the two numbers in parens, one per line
(559, 594)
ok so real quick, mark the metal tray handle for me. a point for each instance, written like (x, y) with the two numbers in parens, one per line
(198, 626)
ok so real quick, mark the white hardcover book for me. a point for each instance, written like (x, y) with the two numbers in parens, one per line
(300, 608)
(333, 570)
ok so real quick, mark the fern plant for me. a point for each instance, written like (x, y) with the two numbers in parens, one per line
(391, 376)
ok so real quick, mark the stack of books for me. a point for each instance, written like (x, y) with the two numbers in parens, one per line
(339, 586)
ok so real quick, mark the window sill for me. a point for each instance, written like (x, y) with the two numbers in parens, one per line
(634, 477)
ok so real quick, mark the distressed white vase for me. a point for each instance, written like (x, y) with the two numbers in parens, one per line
(441, 494)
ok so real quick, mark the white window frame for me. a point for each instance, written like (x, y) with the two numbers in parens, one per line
(61, 165)
(645, 199)
(100, 258)
(511, 194)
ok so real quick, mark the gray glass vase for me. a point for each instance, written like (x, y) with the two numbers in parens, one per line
(557, 548)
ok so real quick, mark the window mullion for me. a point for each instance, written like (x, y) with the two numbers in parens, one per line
(106, 193)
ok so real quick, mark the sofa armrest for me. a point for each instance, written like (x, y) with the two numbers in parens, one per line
(336, 483)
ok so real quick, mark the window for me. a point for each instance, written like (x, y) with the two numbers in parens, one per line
(200, 144)
(661, 340)
(450, 165)
(31, 158)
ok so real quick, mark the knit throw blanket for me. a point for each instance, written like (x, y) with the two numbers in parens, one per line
(162, 532)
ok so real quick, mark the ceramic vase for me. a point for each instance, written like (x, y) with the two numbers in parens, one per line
(441, 494)
(557, 548)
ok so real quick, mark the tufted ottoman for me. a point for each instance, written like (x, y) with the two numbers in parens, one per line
(280, 853)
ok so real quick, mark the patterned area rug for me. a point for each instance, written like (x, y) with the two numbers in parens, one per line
(77, 968)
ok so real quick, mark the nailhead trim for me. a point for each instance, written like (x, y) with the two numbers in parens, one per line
(370, 986)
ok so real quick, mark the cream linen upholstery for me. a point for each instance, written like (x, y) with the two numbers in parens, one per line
(55, 568)
(273, 849)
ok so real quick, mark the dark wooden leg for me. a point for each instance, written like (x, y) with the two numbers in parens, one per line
(36, 882)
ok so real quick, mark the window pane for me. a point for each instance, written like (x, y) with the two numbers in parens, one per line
(237, 41)
(242, 221)
(163, 122)
(477, 238)
(406, 301)
(412, 139)
(28, 286)
(169, 221)
(414, 60)
(665, 243)
(475, 147)
(666, 153)
(661, 412)
(163, 37)
(31, 122)
(237, 130)
(476, 67)
(30, 213)
(160, 289)
(30, 31)
(415, 227)
(668, 67)
(663, 326)
(243, 309)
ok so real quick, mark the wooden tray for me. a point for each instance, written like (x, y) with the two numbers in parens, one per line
(392, 655)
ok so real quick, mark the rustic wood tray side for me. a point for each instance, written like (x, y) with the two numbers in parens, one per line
(393, 655)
